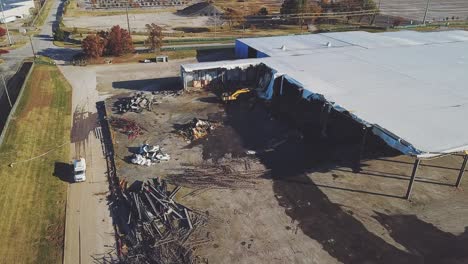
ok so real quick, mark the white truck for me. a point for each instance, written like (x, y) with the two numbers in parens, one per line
(79, 170)
(8, 19)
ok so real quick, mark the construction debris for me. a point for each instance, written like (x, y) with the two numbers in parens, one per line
(127, 127)
(168, 92)
(158, 229)
(197, 128)
(149, 155)
(217, 176)
(136, 103)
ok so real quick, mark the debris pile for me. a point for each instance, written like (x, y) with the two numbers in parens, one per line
(169, 92)
(158, 229)
(127, 127)
(197, 128)
(136, 103)
(149, 155)
(217, 176)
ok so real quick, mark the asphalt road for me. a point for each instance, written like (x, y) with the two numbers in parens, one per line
(42, 44)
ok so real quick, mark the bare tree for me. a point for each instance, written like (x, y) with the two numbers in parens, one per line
(155, 37)
(233, 17)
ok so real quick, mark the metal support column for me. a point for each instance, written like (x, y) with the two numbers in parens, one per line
(462, 171)
(413, 177)
(362, 147)
(326, 109)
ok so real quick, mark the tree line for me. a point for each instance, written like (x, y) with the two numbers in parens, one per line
(118, 41)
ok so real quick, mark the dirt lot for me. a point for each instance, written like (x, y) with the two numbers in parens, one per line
(295, 201)
(167, 20)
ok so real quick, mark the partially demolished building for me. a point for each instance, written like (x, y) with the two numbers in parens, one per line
(408, 88)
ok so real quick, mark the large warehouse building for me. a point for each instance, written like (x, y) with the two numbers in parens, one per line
(408, 88)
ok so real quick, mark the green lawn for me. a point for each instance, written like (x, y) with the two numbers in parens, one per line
(32, 199)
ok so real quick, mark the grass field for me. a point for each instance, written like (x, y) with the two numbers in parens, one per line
(32, 199)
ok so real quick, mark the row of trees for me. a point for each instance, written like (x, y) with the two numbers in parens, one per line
(298, 7)
(118, 41)
(115, 42)
(308, 6)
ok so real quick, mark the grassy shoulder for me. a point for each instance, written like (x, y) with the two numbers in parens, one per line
(42, 16)
(32, 199)
(137, 57)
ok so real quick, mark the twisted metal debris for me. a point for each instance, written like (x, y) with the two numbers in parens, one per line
(158, 229)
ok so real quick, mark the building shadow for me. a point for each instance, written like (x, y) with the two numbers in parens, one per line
(215, 54)
(289, 152)
(425, 240)
(158, 84)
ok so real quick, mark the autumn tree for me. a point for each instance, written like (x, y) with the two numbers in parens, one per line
(262, 11)
(233, 17)
(2, 32)
(118, 42)
(301, 9)
(356, 6)
(93, 46)
(155, 37)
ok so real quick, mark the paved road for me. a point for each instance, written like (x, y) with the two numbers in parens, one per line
(42, 43)
(89, 233)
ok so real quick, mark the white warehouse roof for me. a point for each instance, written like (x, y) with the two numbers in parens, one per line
(414, 85)
(315, 43)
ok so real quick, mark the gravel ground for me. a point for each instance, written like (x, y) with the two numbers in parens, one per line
(137, 21)
(438, 9)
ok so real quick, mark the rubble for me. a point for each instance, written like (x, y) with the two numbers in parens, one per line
(218, 176)
(127, 127)
(136, 103)
(197, 128)
(168, 92)
(149, 155)
(158, 229)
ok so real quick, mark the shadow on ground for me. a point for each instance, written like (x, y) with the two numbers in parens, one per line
(62, 54)
(215, 54)
(159, 84)
(425, 240)
(63, 171)
(290, 151)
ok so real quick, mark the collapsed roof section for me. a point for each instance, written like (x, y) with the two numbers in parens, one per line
(412, 91)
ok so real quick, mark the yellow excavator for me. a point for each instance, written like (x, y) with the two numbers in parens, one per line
(227, 97)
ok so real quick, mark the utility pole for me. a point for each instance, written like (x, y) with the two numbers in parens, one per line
(6, 23)
(6, 91)
(375, 13)
(215, 22)
(425, 12)
(32, 46)
(128, 21)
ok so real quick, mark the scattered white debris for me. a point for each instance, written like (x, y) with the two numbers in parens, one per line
(149, 155)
